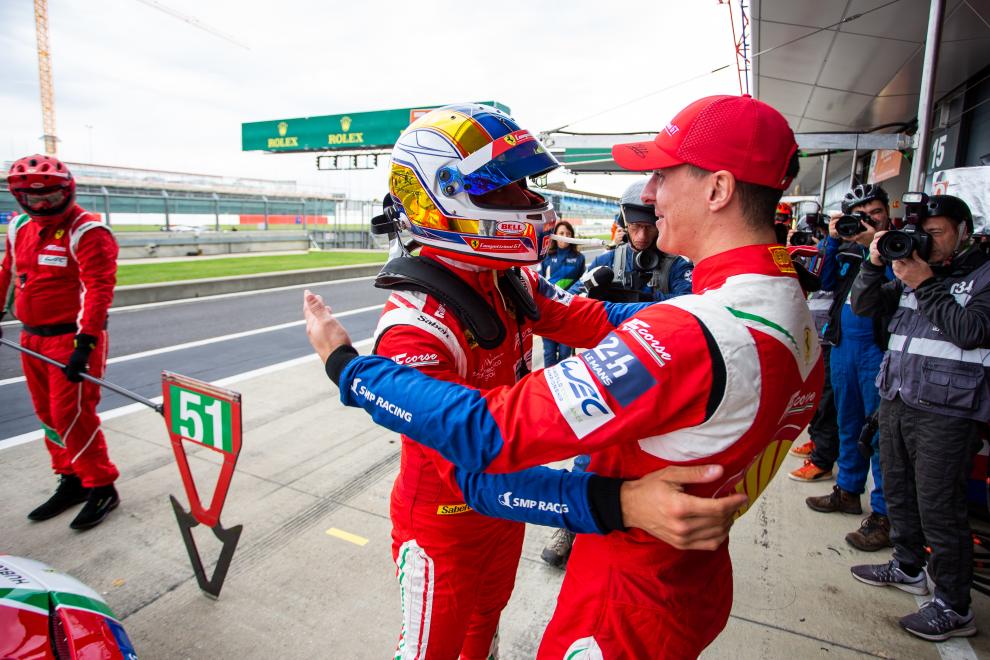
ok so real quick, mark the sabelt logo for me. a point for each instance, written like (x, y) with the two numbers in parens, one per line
(506, 500)
(511, 228)
(643, 334)
(452, 509)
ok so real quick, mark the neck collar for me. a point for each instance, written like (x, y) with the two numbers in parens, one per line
(765, 259)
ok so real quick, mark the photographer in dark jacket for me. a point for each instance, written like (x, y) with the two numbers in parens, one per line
(933, 385)
(857, 350)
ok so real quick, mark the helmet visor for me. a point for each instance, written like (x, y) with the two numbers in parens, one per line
(528, 158)
(45, 200)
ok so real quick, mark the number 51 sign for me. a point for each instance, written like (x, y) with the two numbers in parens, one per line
(204, 414)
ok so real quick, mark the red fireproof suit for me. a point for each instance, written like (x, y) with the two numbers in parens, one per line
(63, 275)
(456, 567)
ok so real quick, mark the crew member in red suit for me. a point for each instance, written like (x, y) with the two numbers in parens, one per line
(60, 267)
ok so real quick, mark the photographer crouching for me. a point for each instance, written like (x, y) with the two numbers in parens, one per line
(934, 394)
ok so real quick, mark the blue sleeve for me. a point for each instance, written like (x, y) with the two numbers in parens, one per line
(829, 272)
(539, 495)
(679, 280)
(620, 312)
(469, 436)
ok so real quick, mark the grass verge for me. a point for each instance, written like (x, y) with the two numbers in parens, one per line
(173, 271)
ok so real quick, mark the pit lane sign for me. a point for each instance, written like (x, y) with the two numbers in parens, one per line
(203, 414)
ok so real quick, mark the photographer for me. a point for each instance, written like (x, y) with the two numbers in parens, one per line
(640, 271)
(934, 393)
(857, 350)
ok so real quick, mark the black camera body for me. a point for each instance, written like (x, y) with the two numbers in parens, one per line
(851, 225)
(802, 238)
(900, 243)
(648, 260)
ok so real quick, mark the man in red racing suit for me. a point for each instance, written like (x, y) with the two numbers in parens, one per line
(457, 567)
(62, 263)
(730, 375)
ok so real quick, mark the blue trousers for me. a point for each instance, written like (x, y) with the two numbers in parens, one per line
(854, 365)
(554, 352)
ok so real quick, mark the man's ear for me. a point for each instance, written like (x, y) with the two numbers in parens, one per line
(721, 188)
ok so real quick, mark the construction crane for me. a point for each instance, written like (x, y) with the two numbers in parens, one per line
(45, 76)
(45, 61)
(740, 43)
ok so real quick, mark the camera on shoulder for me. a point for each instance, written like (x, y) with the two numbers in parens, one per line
(900, 243)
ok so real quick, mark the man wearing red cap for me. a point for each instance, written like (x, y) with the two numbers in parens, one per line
(62, 261)
(729, 375)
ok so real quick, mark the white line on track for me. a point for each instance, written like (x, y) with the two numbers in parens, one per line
(31, 436)
(210, 340)
(219, 296)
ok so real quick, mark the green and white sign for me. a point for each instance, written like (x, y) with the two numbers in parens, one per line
(355, 130)
(201, 418)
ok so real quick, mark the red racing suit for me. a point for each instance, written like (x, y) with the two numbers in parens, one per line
(63, 276)
(729, 375)
(456, 567)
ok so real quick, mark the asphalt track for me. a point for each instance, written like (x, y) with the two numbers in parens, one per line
(159, 327)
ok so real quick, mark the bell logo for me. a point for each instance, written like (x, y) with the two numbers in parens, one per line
(283, 128)
(345, 123)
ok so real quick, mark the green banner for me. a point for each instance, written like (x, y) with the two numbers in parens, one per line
(356, 130)
(201, 418)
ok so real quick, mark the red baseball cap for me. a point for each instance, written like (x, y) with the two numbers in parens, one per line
(738, 134)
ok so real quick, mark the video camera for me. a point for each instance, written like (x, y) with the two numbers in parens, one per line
(900, 243)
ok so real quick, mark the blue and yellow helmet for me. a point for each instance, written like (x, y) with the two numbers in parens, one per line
(458, 179)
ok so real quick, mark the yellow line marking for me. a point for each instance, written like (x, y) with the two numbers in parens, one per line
(347, 536)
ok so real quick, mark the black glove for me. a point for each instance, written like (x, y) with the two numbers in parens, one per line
(78, 361)
(865, 444)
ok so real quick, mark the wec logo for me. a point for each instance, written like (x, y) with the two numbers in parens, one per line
(580, 403)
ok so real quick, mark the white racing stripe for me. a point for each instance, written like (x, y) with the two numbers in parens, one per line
(219, 296)
(31, 436)
(211, 340)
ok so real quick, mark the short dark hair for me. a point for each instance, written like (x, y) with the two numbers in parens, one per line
(759, 203)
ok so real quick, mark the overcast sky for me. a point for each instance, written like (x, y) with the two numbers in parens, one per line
(137, 87)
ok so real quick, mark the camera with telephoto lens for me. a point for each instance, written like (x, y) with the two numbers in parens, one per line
(900, 243)
(851, 225)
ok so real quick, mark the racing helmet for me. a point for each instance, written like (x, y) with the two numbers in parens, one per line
(951, 207)
(458, 183)
(43, 186)
(863, 193)
(783, 208)
(632, 207)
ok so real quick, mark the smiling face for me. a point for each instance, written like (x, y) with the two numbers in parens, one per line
(678, 198)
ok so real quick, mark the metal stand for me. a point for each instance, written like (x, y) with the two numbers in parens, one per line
(229, 537)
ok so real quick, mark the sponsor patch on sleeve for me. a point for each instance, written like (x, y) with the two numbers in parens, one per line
(52, 260)
(554, 293)
(577, 397)
(618, 369)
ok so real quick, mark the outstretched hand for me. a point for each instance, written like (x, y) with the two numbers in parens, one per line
(325, 333)
(658, 505)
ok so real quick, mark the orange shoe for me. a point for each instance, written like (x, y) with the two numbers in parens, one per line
(802, 451)
(810, 472)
